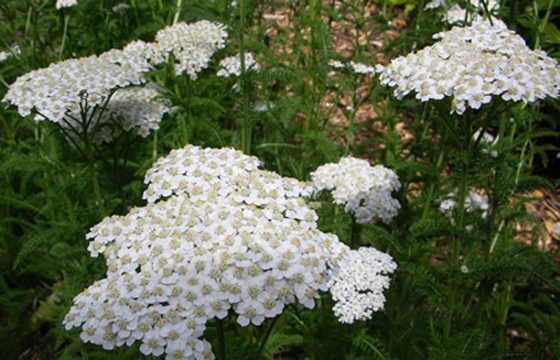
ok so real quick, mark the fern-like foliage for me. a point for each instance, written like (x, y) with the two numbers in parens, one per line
(371, 347)
(426, 284)
(280, 344)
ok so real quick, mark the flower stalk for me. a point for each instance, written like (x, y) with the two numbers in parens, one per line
(222, 354)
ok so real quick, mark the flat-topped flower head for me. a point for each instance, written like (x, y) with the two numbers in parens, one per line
(471, 65)
(364, 190)
(358, 282)
(57, 91)
(174, 264)
(231, 65)
(67, 91)
(194, 171)
(455, 14)
(192, 45)
(65, 3)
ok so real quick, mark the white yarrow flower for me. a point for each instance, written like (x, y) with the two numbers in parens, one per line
(192, 46)
(231, 65)
(473, 202)
(358, 68)
(227, 237)
(63, 90)
(65, 3)
(364, 190)
(472, 65)
(14, 50)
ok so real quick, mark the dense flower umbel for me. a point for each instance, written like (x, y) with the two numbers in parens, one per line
(456, 14)
(357, 286)
(365, 190)
(224, 170)
(241, 241)
(62, 91)
(192, 46)
(471, 65)
(231, 65)
(57, 91)
(65, 3)
(65, 91)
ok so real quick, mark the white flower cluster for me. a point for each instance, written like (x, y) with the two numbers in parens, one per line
(121, 7)
(365, 190)
(192, 46)
(434, 4)
(473, 202)
(133, 107)
(65, 3)
(351, 286)
(457, 15)
(263, 106)
(180, 172)
(471, 65)
(231, 65)
(56, 92)
(215, 246)
(487, 142)
(358, 68)
(62, 91)
(14, 49)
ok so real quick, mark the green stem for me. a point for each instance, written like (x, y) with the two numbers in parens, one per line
(350, 131)
(356, 233)
(246, 128)
(487, 12)
(136, 17)
(85, 122)
(177, 12)
(542, 25)
(66, 20)
(266, 336)
(221, 339)
(505, 301)
(496, 237)
(91, 163)
(154, 146)
(433, 183)
(459, 229)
